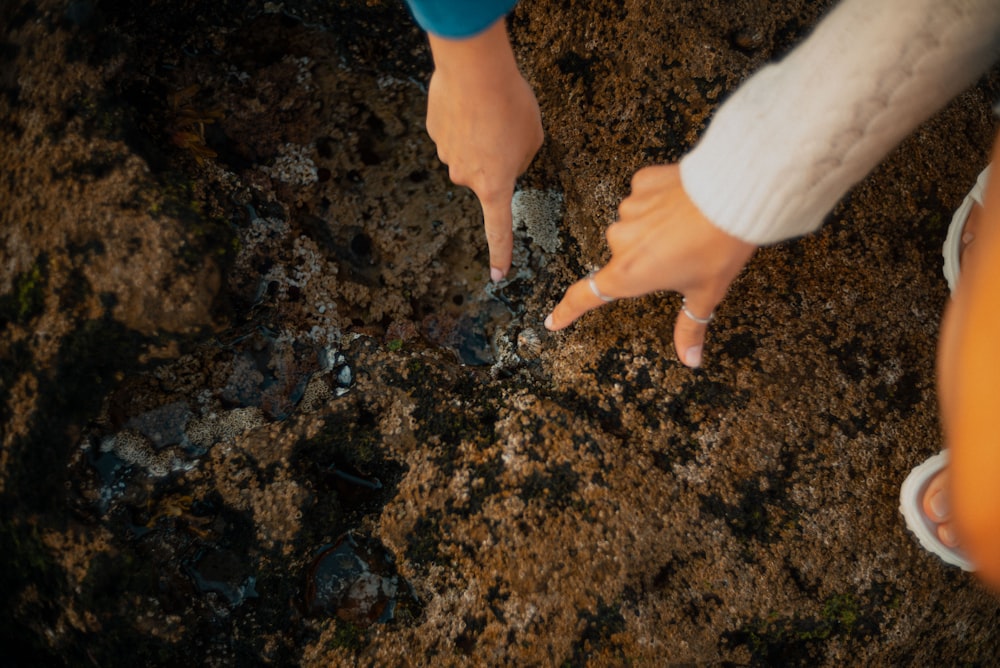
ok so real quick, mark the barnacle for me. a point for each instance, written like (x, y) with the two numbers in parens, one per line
(186, 125)
(133, 447)
(529, 344)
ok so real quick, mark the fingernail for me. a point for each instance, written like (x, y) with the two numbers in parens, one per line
(939, 504)
(496, 274)
(548, 321)
(692, 356)
(947, 535)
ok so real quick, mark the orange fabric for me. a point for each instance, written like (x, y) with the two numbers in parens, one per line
(969, 391)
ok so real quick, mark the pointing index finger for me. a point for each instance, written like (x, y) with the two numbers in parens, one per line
(584, 295)
(498, 221)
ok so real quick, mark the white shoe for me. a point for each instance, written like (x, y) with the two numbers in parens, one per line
(953, 242)
(911, 495)
(911, 505)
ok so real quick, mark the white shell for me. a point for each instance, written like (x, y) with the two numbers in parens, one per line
(529, 344)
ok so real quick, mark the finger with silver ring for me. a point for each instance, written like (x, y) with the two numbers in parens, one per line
(684, 309)
(593, 288)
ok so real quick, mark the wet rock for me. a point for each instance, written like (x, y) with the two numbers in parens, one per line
(354, 580)
(224, 573)
(163, 426)
(270, 371)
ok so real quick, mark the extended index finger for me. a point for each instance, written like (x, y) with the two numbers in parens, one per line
(578, 299)
(498, 222)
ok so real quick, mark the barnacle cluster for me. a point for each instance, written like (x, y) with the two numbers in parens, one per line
(539, 213)
(510, 352)
(224, 426)
(134, 448)
(308, 274)
(293, 166)
(333, 381)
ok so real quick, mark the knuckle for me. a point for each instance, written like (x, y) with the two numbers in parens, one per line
(492, 194)
(627, 207)
(498, 237)
(625, 268)
(457, 175)
(640, 178)
(613, 234)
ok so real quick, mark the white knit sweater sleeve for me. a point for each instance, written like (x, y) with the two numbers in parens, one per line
(798, 134)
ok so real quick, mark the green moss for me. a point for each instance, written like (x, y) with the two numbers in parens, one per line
(29, 292)
(935, 221)
(841, 609)
(347, 636)
(28, 297)
(395, 345)
(209, 235)
(801, 640)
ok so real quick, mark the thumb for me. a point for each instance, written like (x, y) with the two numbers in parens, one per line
(499, 222)
(689, 330)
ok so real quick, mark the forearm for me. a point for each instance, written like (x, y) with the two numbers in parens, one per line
(457, 19)
(796, 136)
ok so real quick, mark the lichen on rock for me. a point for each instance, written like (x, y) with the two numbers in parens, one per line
(539, 214)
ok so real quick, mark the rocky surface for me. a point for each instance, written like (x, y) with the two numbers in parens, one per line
(261, 406)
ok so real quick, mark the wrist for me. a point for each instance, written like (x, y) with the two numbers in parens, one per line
(477, 61)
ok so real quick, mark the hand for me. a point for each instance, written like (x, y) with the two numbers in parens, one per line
(485, 120)
(661, 241)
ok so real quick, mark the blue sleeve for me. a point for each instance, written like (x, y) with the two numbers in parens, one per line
(458, 18)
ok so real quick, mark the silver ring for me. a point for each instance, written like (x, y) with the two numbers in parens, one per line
(593, 288)
(700, 321)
